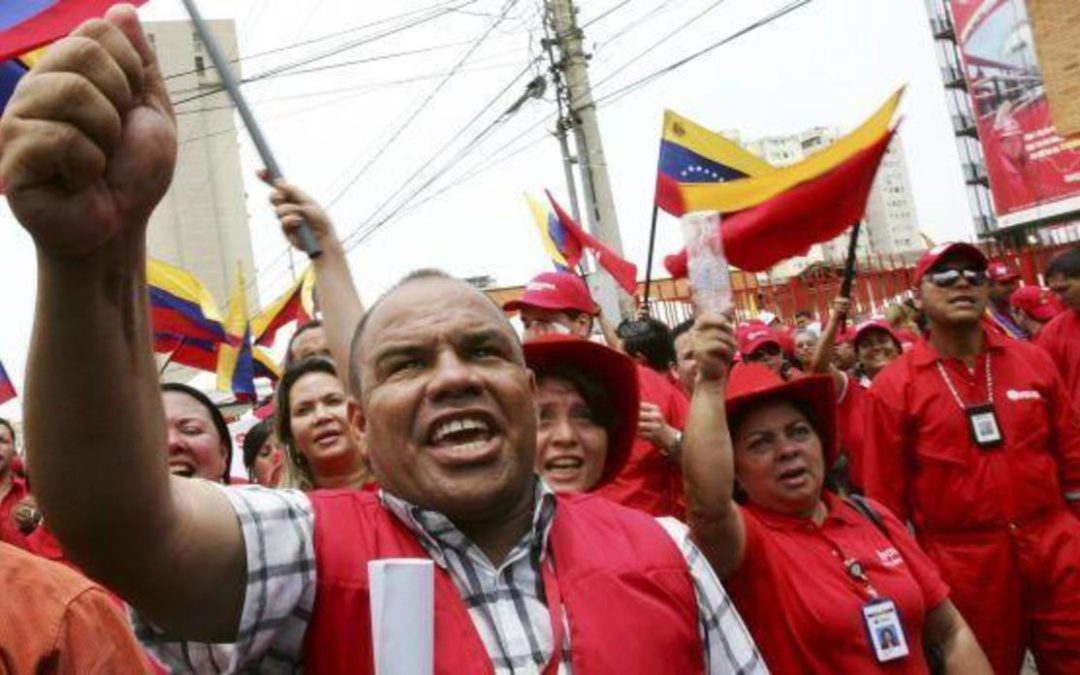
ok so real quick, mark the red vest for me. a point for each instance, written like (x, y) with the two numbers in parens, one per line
(625, 587)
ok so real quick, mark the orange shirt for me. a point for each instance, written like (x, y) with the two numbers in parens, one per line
(54, 620)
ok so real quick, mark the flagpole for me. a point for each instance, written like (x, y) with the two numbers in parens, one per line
(652, 246)
(303, 232)
(183, 339)
(849, 266)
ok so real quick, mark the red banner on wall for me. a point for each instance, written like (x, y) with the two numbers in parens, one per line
(1034, 173)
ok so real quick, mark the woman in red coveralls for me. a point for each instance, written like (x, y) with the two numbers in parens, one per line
(588, 403)
(825, 585)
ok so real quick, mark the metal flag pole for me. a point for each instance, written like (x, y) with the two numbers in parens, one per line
(221, 64)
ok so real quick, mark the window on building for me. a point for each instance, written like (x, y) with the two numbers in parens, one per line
(200, 65)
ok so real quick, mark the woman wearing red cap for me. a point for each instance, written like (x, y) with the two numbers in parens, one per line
(587, 401)
(824, 584)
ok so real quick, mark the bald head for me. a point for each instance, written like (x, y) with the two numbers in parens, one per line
(452, 291)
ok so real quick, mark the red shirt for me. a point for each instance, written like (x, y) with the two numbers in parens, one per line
(9, 531)
(650, 481)
(921, 462)
(1061, 339)
(850, 416)
(803, 608)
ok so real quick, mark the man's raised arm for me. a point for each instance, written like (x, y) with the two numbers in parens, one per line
(87, 150)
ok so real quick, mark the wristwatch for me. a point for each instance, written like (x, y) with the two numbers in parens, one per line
(676, 446)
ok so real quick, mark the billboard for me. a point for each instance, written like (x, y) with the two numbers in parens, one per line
(1033, 172)
(1056, 24)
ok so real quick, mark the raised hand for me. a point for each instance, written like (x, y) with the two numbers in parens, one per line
(88, 141)
(714, 346)
(294, 207)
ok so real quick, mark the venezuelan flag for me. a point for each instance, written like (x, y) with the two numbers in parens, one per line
(738, 195)
(181, 305)
(690, 153)
(296, 304)
(26, 25)
(12, 71)
(7, 387)
(236, 364)
(563, 249)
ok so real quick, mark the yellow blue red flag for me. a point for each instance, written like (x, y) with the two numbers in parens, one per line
(563, 249)
(690, 153)
(7, 387)
(296, 304)
(184, 315)
(236, 364)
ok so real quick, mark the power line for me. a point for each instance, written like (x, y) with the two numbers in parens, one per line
(603, 15)
(477, 138)
(278, 70)
(625, 90)
(336, 34)
(423, 105)
(663, 40)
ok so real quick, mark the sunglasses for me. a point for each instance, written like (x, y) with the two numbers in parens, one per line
(949, 277)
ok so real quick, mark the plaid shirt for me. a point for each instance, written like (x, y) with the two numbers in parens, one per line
(506, 603)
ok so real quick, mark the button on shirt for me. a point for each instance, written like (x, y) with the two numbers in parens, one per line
(921, 461)
(504, 602)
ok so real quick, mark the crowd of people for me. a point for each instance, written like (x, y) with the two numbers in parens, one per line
(896, 494)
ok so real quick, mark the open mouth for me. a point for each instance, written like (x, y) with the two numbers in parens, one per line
(464, 438)
(564, 467)
(962, 301)
(182, 469)
(794, 478)
(327, 438)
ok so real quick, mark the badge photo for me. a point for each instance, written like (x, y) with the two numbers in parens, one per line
(885, 630)
(985, 430)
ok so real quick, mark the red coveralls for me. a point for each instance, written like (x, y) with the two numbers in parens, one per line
(1061, 340)
(997, 521)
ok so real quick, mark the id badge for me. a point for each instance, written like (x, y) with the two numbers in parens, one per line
(885, 630)
(985, 430)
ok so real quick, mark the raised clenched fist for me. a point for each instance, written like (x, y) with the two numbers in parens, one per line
(714, 346)
(88, 141)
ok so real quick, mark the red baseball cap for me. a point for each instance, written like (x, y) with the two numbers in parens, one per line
(614, 371)
(1037, 302)
(931, 257)
(752, 383)
(999, 271)
(877, 324)
(556, 291)
(753, 336)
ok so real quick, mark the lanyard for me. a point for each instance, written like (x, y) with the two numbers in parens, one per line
(956, 394)
(555, 610)
(852, 567)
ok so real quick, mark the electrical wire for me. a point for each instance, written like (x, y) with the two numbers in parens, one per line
(603, 15)
(423, 105)
(627, 89)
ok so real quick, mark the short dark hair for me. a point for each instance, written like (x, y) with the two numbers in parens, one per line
(595, 395)
(804, 312)
(1066, 264)
(423, 274)
(651, 339)
(310, 325)
(11, 429)
(681, 329)
(215, 416)
(255, 438)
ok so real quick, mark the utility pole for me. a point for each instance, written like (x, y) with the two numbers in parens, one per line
(581, 119)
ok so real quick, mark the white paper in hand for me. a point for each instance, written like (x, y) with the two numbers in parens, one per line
(710, 278)
(403, 616)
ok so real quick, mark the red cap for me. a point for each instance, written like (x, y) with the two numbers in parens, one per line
(1039, 303)
(753, 336)
(999, 271)
(556, 291)
(614, 371)
(848, 336)
(753, 383)
(877, 324)
(931, 257)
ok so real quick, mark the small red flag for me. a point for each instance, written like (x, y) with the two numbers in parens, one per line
(790, 223)
(623, 271)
